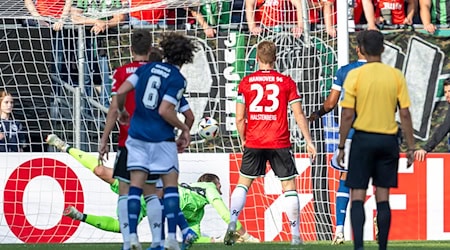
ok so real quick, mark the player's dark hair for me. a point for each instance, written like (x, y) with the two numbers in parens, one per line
(141, 41)
(156, 55)
(372, 43)
(208, 178)
(266, 52)
(359, 38)
(177, 48)
(447, 82)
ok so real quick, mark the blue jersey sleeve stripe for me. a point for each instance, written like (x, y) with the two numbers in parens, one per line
(170, 99)
(133, 79)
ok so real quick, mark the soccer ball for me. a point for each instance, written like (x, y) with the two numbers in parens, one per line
(208, 128)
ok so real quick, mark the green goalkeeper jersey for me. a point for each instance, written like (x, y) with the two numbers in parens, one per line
(193, 199)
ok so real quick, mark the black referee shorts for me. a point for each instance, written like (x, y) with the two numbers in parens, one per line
(373, 156)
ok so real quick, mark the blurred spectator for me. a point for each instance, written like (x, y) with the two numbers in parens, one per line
(13, 136)
(209, 15)
(330, 17)
(273, 14)
(58, 10)
(88, 12)
(434, 12)
(369, 12)
(389, 12)
(394, 12)
(147, 16)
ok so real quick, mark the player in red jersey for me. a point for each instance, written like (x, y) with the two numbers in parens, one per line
(262, 123)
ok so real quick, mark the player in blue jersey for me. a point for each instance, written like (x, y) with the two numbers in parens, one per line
(342, 195)
(151, 143)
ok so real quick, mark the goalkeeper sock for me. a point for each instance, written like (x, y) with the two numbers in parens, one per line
(238, 198)
(154, 216)
(358, 218)
(172, 209)
(105, 223)
(134, 207)
(293, 211)
(122, 213)
(342, 198)
(87, 160)
(384, 223)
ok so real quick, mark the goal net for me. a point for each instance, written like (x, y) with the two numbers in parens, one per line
(61, 79)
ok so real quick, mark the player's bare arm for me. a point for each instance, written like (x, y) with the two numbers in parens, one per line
(406, 123)
(168, 113)
(327, 106)
(111, 118)
(240, 121)
(124, 116)
(188, 118)
(347, 116)
(302, 123)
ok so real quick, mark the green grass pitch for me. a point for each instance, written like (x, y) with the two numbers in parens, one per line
(393, 245)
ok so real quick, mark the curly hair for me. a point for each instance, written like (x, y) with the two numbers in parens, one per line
(156, 55)
(177, 48)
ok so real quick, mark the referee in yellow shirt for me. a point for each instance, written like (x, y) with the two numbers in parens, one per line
(373, 92)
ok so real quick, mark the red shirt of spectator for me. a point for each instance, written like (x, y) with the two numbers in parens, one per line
(120, 75)
(274, 12)
(150, 15)
(357, 10)
(397, 8)
(50, 8)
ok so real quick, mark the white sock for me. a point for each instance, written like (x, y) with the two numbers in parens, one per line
(122, 207)
(238, 198)
(154, 216)
(293, 211)
(339, 229)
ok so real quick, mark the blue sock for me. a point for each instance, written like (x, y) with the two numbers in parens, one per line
(182, 223)
(172, 209)
(163, 234)
(342, 198)
(134, 207)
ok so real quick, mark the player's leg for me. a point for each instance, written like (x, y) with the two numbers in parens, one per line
(384, 178)
(171, 205)
(342, 199)
(253, 166)
(138, 161)
(165, 162)
(86, 159)
(154, 212)
(105, 223)
(360, 168)
(121, 174)
(283, 165)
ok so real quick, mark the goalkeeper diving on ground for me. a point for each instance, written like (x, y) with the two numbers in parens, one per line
(193, 198)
